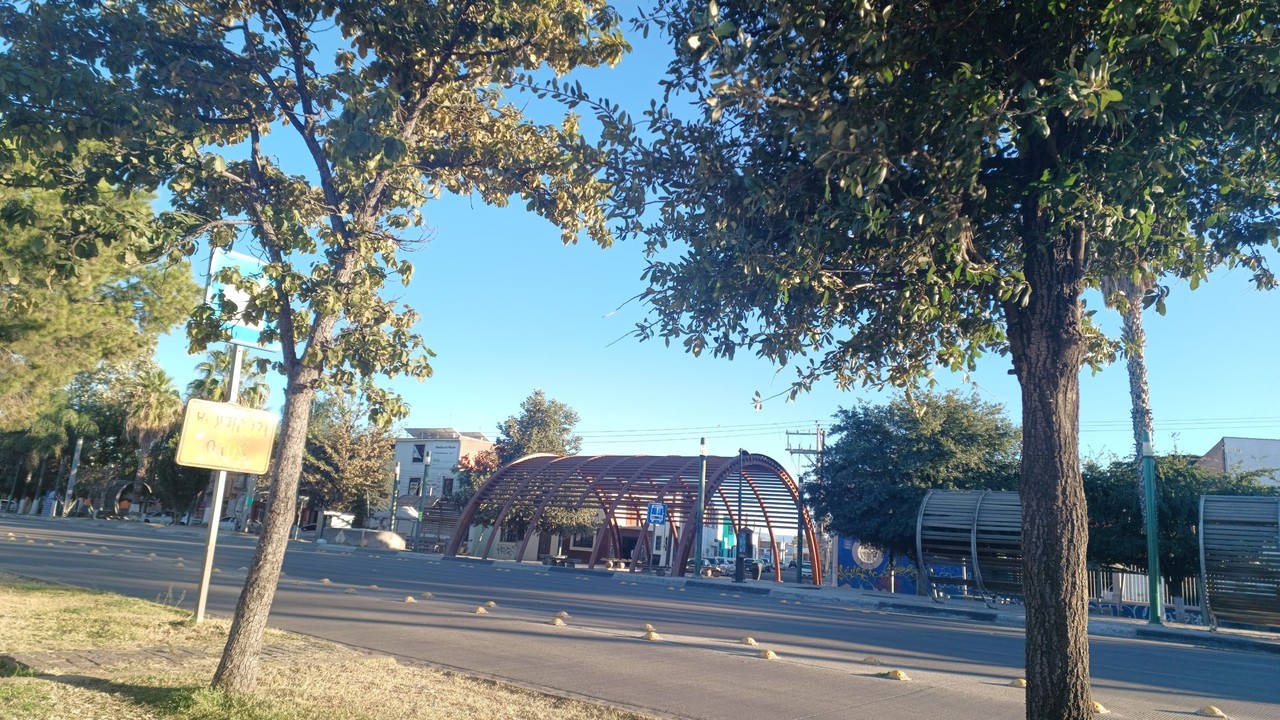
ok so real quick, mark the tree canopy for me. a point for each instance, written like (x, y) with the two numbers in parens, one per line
(349, 459)
(883, 458)
(875, 191)
(384, 104)
(1117, 532)
(543, 426)
(52, 328)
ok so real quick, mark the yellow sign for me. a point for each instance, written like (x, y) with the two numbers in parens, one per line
(222, 436)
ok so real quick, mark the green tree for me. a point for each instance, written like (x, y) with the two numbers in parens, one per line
(470, 473)
(874, 191)
(51, 328)
(213, 375)
(154, 409)
(883, 458)
(349, 459)
(176, 486)
(543, 426)
(1117, 531)
(101, 395)
(48, 438)
(391, 102)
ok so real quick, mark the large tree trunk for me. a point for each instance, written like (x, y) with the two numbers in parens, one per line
(1046, 342)
(238, 670)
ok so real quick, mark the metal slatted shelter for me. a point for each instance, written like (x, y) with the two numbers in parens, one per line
(980, 532)
(626, 484)
(1240, 559)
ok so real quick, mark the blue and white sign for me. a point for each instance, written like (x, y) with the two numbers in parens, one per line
(242, 333)
(657, 514)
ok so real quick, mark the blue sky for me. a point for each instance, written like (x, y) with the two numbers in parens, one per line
(507, 309)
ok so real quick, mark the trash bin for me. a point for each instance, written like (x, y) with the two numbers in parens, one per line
(754, 569)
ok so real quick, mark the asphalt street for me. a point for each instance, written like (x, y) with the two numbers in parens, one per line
(831, 658)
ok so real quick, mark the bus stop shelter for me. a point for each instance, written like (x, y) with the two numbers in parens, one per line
(750, 490)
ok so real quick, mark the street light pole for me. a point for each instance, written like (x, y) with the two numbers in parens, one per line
(422, 495)
(740, 563)
(697, 513)
(1153, 541)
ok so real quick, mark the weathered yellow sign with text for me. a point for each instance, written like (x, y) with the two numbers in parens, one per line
(222, 436)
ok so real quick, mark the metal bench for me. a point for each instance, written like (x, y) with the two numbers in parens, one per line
(980, 533)
(1240, 559)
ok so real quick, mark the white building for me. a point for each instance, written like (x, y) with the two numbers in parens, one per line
(1233, 454)
(428, 457)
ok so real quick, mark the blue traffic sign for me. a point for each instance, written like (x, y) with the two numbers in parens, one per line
(657, 514)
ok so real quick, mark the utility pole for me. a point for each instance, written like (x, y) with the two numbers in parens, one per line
(812, 455)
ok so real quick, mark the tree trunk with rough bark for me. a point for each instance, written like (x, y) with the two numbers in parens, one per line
(238, 670)
(1046, 341)
(1135, 343)
(1134, 340)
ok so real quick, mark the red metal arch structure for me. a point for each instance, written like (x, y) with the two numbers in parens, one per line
(770, 498)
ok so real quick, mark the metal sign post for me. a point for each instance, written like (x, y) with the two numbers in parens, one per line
(233, 394)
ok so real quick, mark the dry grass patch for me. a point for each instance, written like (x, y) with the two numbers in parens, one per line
(317, 679)
(42, 617)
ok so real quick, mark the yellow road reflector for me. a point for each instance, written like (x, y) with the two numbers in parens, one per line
(748, 640)
(1098, 709)
(898, 675)
(410, 599)
(768, 655)
(557, 621)
(651, 635)
(1210, 711)
(1018, 682)
(479, 610)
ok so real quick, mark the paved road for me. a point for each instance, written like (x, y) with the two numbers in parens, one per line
(959, 668)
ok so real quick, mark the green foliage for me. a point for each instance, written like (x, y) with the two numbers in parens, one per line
(348, 458)
(862, 184)
(51, 327)
(470, 473)
(883, 458)
(176, 486)
(543, 426)
(213, 378)
(384, 104)
(100, 396)
(1117, 532)
(873, 191)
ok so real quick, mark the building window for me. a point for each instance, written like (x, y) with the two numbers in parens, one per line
(419, 453)
(511, 534)
(414, 485)
(583, 541)
(447, 488)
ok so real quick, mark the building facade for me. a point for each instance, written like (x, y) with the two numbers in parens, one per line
(1234, 454)
(427, 459)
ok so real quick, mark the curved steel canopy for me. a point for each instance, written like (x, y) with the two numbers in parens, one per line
(770, 498)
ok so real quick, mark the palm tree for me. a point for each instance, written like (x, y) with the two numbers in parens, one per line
(214, 372)
(50, 435)
(1127, 294)
(154, 408)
